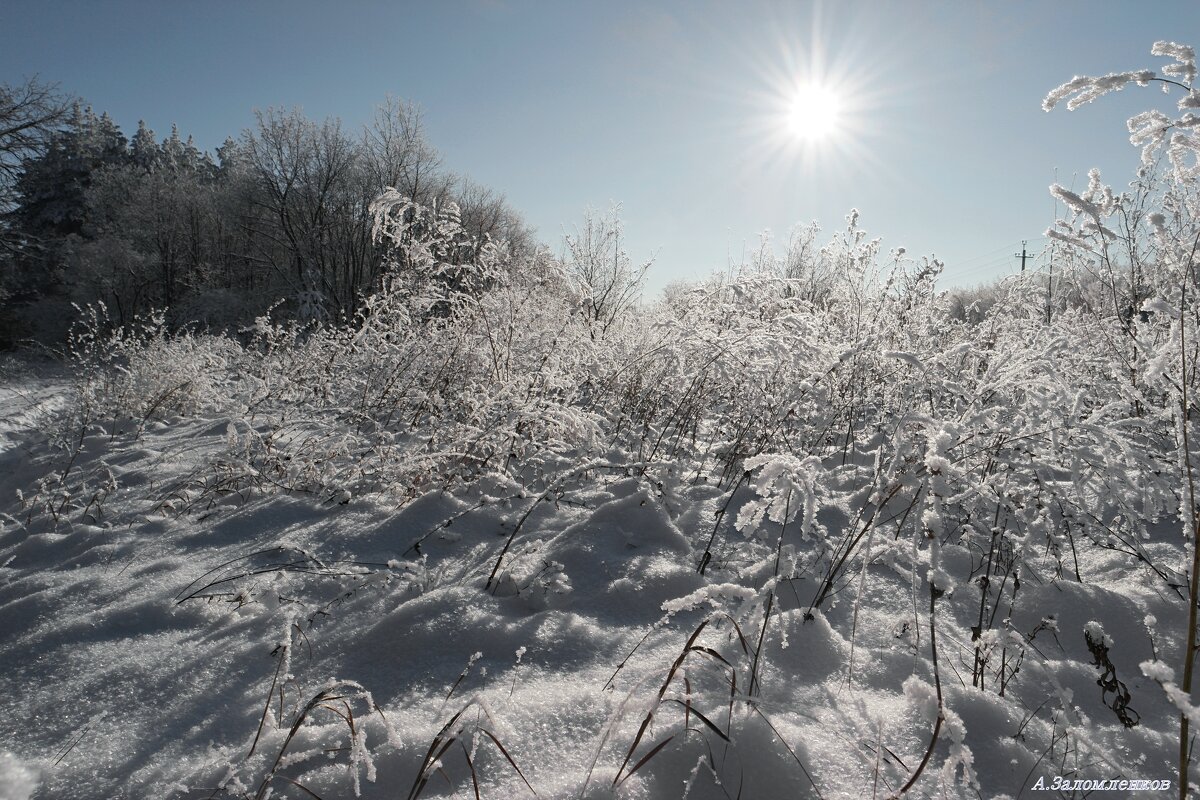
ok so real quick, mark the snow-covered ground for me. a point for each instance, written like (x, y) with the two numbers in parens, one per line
(184, 635)
(29, 392)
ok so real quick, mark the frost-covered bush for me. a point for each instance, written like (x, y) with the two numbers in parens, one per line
(141, 370)
(458, 366)
(1139, 247)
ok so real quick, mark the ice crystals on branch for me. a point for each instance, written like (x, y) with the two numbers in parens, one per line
(785, 485)
(907, 358)
(1090, 208)
(1185, 69)
(1164, 676)
(1086, 89)
(1083, 89)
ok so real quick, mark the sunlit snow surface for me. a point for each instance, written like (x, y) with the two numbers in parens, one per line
(113, 683)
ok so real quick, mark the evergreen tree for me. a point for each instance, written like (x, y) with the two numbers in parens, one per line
(143, 149)
(51, 189)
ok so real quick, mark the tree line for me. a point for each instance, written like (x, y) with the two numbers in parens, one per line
(280, 212)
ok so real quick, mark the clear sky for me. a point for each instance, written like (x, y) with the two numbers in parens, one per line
(675, 110)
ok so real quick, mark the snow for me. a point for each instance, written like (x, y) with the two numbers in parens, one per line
(17, 780)
(707, 574)
(115, 686)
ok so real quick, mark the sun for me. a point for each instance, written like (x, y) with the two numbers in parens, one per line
(817, 97)
(814, 113)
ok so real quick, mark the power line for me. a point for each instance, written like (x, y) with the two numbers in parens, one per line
(1023, 255)
(988, 255)
(990, 258)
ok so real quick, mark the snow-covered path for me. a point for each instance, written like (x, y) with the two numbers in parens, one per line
(27, 397)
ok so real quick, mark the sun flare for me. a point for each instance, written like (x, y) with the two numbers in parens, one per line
(814, 113)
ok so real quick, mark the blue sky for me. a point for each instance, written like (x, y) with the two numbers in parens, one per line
(674, 110)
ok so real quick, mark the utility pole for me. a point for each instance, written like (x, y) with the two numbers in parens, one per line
(1022, 255)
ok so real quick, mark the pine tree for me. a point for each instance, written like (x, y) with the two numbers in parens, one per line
(143, 149)
(50, 190)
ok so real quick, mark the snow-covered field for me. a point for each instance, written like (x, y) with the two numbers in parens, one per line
(799, 530)
(808, 528)
(219, 591)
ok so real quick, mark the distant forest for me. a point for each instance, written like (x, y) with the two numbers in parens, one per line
(281, 212)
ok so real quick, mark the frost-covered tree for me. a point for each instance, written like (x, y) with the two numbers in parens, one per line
(50, 189)
(311, 187)
(160, 204)
(49, 197)
(600, 271)
(31, 115)
(284, 212)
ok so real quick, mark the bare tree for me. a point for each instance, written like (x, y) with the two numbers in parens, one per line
(301, 170)
(607, 282)
(30, 114)
(398, 155)
(487, 214)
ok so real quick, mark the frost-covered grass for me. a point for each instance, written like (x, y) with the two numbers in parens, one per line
(709, 552)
